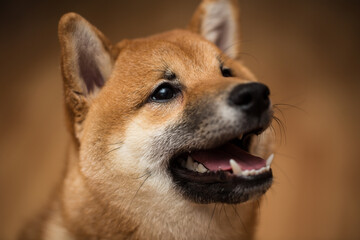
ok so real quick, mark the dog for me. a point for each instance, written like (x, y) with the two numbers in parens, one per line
(169, 134)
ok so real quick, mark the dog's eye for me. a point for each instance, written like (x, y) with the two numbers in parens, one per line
(163, 93)
(226, 72)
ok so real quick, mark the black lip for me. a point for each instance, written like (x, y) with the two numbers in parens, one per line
(219, 186)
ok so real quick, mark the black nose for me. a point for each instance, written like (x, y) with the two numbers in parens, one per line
(252, 98)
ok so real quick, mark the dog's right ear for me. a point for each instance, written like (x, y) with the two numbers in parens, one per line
(87, 59)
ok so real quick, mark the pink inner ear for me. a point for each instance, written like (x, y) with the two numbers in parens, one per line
(89, 70)
(220, 27)
(221, 41)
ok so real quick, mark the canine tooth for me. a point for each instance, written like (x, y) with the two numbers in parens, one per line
(235, 167)
(189, 163)
(267, 168)
(201, 168)
(269, 160)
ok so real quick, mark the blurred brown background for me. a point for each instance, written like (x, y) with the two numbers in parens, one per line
(306, 51)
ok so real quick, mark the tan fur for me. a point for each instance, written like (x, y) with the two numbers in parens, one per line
(100, 197)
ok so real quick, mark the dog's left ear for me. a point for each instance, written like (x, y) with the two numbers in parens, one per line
(218, 22)
(87, 59)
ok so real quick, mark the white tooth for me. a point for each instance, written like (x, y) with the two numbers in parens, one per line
(252, 172)
(201, 168)
(235, 167)
(189, 163)
(195, 166)
(267, 168)
(246, 173)
(269, 160)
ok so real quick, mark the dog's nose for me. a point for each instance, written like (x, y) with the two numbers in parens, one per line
(252, 98)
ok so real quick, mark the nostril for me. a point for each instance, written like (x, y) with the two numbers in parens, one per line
(245, 99)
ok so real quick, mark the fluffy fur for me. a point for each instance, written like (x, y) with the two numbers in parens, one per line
(116, 184)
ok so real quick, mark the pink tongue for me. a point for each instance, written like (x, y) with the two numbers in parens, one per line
(218, 158)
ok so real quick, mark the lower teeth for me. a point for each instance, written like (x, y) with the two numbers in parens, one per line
(239, 172)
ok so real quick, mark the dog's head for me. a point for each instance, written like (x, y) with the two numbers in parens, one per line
(177, 112)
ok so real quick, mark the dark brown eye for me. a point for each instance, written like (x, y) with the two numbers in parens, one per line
(226, 72)
(164, 93)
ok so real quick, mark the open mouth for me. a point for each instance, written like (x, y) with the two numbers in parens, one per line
(227, 173)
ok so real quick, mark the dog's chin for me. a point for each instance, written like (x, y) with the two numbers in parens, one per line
(209, 176)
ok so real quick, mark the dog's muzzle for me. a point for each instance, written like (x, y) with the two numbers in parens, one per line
(224, 170)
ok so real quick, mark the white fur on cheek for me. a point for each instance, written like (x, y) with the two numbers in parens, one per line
(226, 112)
(136, 153)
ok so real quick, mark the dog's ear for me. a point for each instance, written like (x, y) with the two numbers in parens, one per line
(87, 59)
(218, 22)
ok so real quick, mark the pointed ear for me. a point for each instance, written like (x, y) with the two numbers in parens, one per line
(218, 22)
(87, 59)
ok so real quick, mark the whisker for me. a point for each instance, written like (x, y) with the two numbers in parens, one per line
(212, 215)
(235, 43)
(276, 133)
(282, 128)
(117, 143)
(238, 53)
(273, 130)
(228, 218)
(112, 150)
(258, 204)
(222, 206)
(291, 106)
(250, 55)
(281, 112)
(137, 191)
(242, 223)
(142, 176)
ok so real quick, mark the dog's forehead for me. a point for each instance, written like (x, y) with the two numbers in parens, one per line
(177, 50)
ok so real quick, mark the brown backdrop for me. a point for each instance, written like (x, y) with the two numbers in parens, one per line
(306, 51)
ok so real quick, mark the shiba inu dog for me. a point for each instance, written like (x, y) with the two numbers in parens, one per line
(169, 134)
